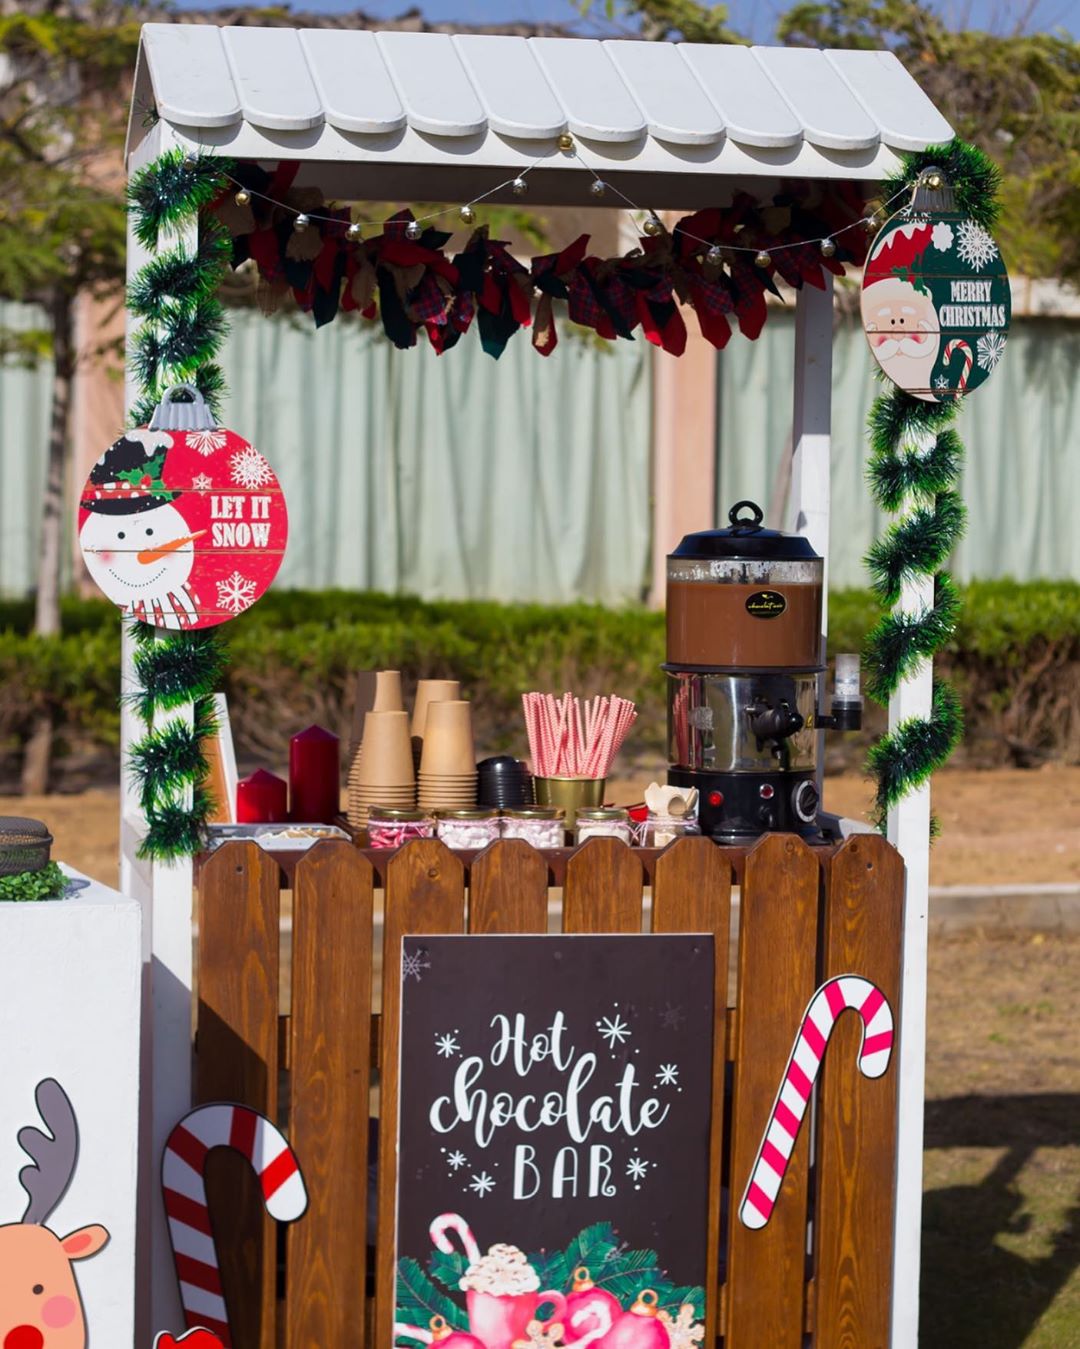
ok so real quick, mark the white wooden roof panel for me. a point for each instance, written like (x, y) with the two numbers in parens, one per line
(831, 115)
(598, 104)
(432, 83)
(513, 91)
(418, 101)
(906, 117)
(753, 109)
(352, 80)
(271, 78)
(675, 106)
(190, 75)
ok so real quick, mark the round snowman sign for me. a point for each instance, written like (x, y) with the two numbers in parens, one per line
(182, 528)
(935, 303)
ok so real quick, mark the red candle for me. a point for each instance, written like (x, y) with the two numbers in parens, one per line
(262, 798)
(314, 776)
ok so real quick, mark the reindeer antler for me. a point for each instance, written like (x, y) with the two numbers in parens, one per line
(54, 1157)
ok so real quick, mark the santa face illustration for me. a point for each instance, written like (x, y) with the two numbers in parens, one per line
(137, 546)
(902, 327)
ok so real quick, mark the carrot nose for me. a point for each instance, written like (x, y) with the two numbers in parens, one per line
(164, 549)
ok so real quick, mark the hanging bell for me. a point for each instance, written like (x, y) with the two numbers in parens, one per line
(763, 259)
(243, 197)
(566, 141)
(828, 248)
(598, 187)
(715, 256)
(301, 222)
(652, 226)
(519, 187)
(413, 230)
(354, 233)
(468, 215)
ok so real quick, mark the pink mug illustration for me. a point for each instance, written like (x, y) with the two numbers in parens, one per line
(501, 1288)
(40, 1307)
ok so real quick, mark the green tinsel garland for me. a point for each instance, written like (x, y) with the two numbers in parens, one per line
(915, 460)
(176, 294)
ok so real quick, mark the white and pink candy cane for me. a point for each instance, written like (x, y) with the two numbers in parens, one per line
(778, 1143)
(950, 349)
(183, 1182)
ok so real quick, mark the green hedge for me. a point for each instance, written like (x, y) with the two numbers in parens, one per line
(1016, 659)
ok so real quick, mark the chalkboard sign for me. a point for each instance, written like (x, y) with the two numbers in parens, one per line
(554, 1139)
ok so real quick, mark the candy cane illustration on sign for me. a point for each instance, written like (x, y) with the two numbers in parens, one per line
(183, 1180)
(782, 1131)
(40, 1307)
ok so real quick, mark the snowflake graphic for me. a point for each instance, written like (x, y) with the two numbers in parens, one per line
(482, 1184)
(456, 1161)
(941, 381)
(637, 1169)
(942, 237)
(206, 442)
(202, 483)
(414, 963)
(989, 349)
(668, 1075)
(447, 1046)
(683, 1331)
(249, 469)
(235, 594)
(671, 1018)
(975, 246)
(613, 1029)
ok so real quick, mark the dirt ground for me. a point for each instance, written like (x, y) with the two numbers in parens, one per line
(998, 828)
(1001, 1232)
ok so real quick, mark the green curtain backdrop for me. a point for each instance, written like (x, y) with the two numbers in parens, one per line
(455, 476)
(24, 438)
(1021, 482)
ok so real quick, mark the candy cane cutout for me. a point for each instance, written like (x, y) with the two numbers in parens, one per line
(782, 1131)
(183, 1171)
(454, 1222)
(957, 345)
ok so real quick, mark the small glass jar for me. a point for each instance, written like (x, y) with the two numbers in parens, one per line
(542, 826)
(467, 829)
(660, 830)
(603, 822)
(390, 828)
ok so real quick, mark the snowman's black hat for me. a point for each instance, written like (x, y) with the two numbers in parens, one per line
(127, 478)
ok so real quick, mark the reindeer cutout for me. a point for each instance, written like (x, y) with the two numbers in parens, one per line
(40, 1307)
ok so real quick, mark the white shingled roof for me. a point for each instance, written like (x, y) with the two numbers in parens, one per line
(380, 106)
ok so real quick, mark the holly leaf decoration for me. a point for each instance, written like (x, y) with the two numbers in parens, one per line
(418, 1300)
(448, 1268)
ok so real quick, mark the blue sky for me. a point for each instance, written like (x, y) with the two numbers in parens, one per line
(755, 17)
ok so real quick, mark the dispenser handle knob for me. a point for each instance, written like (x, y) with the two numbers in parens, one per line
(742, 525)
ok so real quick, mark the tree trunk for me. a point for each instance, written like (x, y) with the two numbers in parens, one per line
(38, 751)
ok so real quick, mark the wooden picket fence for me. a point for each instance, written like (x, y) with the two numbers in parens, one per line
(818, 1274)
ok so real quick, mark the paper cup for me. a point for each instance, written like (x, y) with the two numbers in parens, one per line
(448, 741)
(388, 691)
(385, 758)
(432, 691)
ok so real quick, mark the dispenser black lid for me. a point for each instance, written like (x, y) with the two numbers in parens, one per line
(746, 538)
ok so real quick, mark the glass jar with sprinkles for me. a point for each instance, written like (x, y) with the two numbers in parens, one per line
(603, 822)
(467, 829)
(542, 826)
(390, 828)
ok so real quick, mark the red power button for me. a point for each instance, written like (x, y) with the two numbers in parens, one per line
(716, 798)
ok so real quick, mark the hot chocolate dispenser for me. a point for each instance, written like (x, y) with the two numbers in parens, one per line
(744, 656)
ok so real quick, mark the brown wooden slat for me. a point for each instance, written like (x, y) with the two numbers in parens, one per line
(237, 1061)
(508, 889)
(425, 893)
(330, 1044)
(777, 940)
(857, 1116)
(692, 893)
(603, 888)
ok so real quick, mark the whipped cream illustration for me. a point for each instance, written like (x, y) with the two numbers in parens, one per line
(505, 1270)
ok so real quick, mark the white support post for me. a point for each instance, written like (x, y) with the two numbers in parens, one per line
(909, 832)
(811, 439)
(165, 892)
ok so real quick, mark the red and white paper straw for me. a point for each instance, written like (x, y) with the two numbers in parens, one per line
(569, 740)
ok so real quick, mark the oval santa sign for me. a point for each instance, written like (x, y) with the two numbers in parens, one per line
(935, 303)
(182, 529)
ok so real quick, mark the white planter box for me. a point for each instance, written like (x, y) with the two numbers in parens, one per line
(70, 984)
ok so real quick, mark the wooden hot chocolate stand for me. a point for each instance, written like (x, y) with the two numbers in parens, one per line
(673, 1004)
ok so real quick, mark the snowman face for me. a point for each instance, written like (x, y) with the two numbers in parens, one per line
(130, 557)
(902, 326)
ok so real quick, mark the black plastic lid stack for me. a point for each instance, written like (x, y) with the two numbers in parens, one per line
(746, 538)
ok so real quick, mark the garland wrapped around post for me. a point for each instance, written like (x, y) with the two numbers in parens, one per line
(915, 460)
(175, 294)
